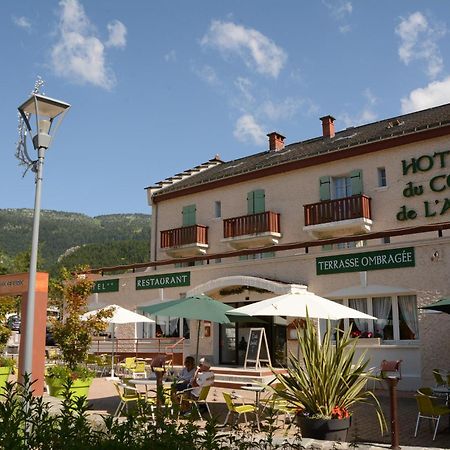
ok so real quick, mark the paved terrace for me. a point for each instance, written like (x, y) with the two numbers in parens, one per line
(364, 429)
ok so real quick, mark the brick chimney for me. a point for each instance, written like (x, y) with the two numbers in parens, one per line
(328, 126)
(276, 141)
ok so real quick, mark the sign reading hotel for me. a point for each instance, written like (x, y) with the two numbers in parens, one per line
(101, 286)
(437, 184)
(163, 281)
(361, 262)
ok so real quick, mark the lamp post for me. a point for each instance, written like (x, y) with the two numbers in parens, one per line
(49, 114)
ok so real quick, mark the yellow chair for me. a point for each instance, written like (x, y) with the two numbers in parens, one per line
(127, 394)
(201, 400)
(429, 410)
(440, 377)
(239, 409)
(138, 371)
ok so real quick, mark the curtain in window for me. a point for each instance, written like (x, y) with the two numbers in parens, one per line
(408, 308)
(381, 310)
(360, 304)
(174, 331)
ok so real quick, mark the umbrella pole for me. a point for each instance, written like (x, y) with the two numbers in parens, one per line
(113, 340)
(198, 341)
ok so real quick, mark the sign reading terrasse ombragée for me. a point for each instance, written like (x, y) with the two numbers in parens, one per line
(361, 262)
(163, 281)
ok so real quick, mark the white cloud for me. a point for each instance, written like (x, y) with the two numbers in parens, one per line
(339, 11)
(170, 56)
(366, 115)
(79, 55)
(281, 110)
(419, 42)
(435, 94)
(117, 34)
(247, 129)
(255, 49)
(22, 22)
(207, 74)
(244, 86)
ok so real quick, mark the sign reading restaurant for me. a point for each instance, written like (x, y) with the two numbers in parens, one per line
(163, 281)
(361, 262)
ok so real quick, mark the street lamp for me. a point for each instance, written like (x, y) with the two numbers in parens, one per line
(49, 114)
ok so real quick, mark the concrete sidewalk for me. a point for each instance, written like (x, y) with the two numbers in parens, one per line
(364, 430)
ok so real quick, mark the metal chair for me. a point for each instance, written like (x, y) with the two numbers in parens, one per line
(440, 377)
(429, 410)
(138, 370)
(239, 409)
(201, 400)
(127, 394)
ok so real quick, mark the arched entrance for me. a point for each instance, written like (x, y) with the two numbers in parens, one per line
(17, 284)
(230, 340)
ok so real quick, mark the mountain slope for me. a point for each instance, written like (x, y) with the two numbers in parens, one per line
(113, 239)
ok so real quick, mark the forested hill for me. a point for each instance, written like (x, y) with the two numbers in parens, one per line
(69, 239)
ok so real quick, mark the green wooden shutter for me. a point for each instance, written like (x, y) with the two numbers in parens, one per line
(325, 188)
(256, 202)
(259, 201)
(189, 215)
(357, 185)
(251, 202)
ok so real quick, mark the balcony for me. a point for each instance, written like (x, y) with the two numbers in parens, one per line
(252, 231)
(339, 217)
(185, 241)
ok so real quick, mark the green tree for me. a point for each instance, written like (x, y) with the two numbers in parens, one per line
(72, 334)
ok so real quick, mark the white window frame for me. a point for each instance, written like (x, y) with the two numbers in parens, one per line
(382, 177)
(395, 317)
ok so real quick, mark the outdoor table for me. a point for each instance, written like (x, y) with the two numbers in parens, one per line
(148, 383)
(257, 390)
(443, 390)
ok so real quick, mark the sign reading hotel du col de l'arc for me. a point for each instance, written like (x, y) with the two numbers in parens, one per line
(361, 262)
(163, 280)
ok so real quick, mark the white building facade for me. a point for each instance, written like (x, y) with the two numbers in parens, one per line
(359, 216)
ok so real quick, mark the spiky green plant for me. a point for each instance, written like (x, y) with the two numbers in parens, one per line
(326, 381)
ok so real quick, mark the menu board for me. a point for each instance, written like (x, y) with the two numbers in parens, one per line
(257, 348)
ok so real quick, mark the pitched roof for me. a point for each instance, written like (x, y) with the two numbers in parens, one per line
(349, 139)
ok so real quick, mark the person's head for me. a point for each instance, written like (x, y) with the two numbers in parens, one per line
(189, 362)
(204, 365)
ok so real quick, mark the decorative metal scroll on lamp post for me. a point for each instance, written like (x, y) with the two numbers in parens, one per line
(48, 113)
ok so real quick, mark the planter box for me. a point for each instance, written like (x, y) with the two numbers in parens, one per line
(324, 429)
(79, 387)
(4, 375)
(369, 342)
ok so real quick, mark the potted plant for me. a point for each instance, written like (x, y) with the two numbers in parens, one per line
(73, 335)
(325, 382)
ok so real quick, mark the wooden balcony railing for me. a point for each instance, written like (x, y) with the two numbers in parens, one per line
(354, 207)
(194, 234)
(254, 223)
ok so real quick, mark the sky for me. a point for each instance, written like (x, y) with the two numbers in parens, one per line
(160, 86)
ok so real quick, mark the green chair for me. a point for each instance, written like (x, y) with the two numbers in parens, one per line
(239, 409)
(429, 410)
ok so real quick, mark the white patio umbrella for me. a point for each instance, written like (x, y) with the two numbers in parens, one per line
(120, 316)
(296, 304)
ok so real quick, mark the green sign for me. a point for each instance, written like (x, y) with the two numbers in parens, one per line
(163, 281)
(361, 262)
(105, 286)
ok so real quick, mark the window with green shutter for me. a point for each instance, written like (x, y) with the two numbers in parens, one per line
(189, 215)
(356, 180)
(256, 202)
(325, 188)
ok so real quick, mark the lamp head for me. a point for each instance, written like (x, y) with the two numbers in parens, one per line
(46, 110)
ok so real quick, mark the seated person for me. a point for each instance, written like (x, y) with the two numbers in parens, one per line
(187, 374)
(202, 377)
